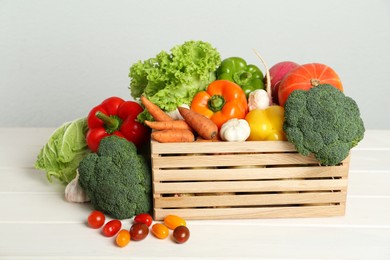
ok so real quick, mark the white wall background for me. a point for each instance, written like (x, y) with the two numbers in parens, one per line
(58, 59)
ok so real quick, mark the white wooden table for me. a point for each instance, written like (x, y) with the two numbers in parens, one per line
(37, 223)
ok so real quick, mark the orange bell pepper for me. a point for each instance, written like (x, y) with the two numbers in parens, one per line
(221, 101)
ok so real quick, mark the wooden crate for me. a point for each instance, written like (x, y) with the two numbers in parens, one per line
(219, 180)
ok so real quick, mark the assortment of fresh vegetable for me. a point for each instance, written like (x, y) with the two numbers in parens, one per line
(189, 95)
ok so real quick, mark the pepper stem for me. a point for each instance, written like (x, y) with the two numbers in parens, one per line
(241, 78)
(216, 103)
(111, 123)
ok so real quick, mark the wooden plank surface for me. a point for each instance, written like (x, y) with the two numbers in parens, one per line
(36, 222)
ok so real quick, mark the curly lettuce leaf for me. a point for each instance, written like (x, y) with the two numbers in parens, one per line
(172, 79)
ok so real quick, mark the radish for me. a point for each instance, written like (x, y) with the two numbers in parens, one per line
(277, 73)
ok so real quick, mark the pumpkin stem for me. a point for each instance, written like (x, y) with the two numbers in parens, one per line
(314, 82)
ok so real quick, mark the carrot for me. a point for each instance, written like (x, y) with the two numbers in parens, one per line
(173, 136)
(168, 125)
(157, 113)
(201, 124)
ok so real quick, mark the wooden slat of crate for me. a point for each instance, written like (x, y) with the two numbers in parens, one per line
(250, 200)
(261, 212)
(249, 186)
(249, 173)
(232, 160)
(218, 147)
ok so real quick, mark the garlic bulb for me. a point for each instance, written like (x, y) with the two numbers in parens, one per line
(74, 193)
(258, 99)
(235, 130)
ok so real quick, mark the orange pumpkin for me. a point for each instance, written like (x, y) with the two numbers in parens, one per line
(305, 77)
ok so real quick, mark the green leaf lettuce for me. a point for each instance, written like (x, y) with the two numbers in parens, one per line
(172, 79)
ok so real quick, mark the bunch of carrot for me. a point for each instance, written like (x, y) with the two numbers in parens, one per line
(166, 129)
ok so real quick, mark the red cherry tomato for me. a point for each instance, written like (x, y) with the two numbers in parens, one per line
(181, 234)
(96, 219)
(144, 218)
(112, 227)
(138, 231)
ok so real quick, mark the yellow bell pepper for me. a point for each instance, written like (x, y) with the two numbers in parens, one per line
(266, 124)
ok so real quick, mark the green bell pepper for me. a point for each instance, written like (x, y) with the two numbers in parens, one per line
(235, 69)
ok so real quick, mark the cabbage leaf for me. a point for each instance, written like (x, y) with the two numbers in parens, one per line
(66, 147)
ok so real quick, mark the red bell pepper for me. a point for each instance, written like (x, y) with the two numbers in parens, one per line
(114, 116)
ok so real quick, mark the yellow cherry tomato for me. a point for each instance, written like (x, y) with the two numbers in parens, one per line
(160, 231)
(173, 221)
(123, 238)
(266, 124)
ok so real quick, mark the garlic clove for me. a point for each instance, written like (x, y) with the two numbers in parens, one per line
(74, 192)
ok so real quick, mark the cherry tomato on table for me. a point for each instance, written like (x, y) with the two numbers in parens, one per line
(138, 231)
(173, 221)
(144, 218)
(181, 234)
(160, 231)
(112, 227)
(96, 219)
(123, 238)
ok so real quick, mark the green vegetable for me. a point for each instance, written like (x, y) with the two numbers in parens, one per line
(172, 79)
(66, 147)
(235, 69)
(324, 122)
(117, 179)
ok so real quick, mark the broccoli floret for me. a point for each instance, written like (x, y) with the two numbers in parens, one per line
(324, 122)
(117, 179)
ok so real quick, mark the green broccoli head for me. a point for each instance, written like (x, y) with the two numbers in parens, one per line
(117, 179)
(324, 122)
